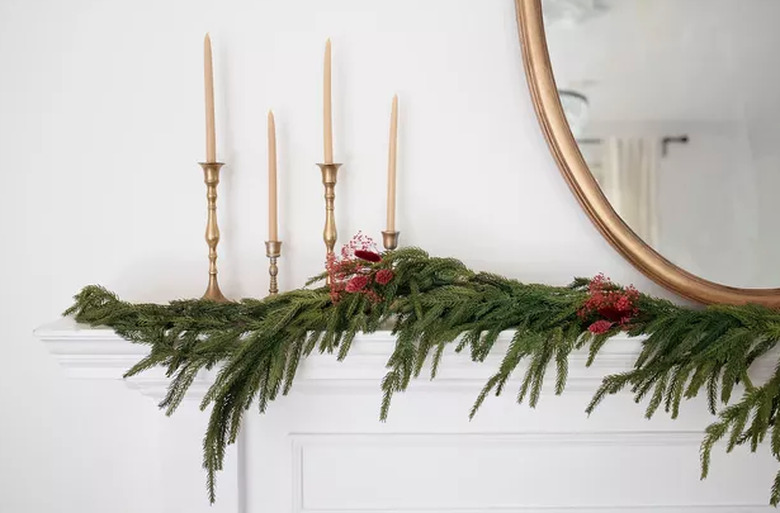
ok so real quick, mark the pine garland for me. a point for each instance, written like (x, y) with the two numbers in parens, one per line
(434, 302)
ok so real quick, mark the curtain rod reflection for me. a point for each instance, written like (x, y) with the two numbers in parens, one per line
(665, 141)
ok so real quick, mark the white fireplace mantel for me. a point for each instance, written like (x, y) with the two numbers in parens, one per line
(322, 450)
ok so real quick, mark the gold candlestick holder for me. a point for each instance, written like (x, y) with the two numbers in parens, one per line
(273, 250)
(330, 234)
(211, 178)
(390, 240)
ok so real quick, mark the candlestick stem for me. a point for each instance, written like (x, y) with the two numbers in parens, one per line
(329, 233)
(273, 250)
(211, 178)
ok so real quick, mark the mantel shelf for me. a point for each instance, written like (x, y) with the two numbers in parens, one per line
(99, 353)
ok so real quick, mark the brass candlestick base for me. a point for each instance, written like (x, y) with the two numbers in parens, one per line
(273, 250)
(330, 234)
(211, 177)
(390, 239)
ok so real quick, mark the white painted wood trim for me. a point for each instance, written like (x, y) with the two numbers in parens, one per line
(98, 353)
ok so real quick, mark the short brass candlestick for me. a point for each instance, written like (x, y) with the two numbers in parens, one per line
(330, 234)
(390, 240)
(211, 177)
(273, 250)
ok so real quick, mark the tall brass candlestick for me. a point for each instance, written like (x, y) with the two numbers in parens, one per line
(211, 178)
(273, 250)
(330, 234)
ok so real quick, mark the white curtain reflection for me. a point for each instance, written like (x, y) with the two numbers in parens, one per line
(628, 175)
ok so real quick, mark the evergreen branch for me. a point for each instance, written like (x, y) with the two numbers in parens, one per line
(258, 346)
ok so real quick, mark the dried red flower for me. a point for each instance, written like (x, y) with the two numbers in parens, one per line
(384, 276)
(600, 327)
(609, 305)
(353, 270)
(359, 242)
(357, 283)
(368, 256)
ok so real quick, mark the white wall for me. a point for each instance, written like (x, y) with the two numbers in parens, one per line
(101, 126)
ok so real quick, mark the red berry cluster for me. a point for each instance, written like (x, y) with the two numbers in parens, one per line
(608, 305)
(358, 270)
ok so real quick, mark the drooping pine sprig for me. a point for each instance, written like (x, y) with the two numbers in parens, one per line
(434, 303)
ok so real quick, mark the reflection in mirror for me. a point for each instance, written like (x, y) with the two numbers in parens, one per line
(675, 106)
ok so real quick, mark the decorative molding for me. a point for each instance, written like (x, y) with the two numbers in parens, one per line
(736, 508)
(100, 354)
(604, 438)
(95, 353)
(615, 441)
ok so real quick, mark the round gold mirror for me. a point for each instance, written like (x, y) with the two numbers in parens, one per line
(664, 118)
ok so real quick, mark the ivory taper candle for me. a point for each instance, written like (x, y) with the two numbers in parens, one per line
(327, 107)
(391, 166)
(273, 227)
(211, 137)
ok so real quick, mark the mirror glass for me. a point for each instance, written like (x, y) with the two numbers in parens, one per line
(675, 105)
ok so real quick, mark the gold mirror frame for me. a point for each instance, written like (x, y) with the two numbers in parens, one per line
(581, 181)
